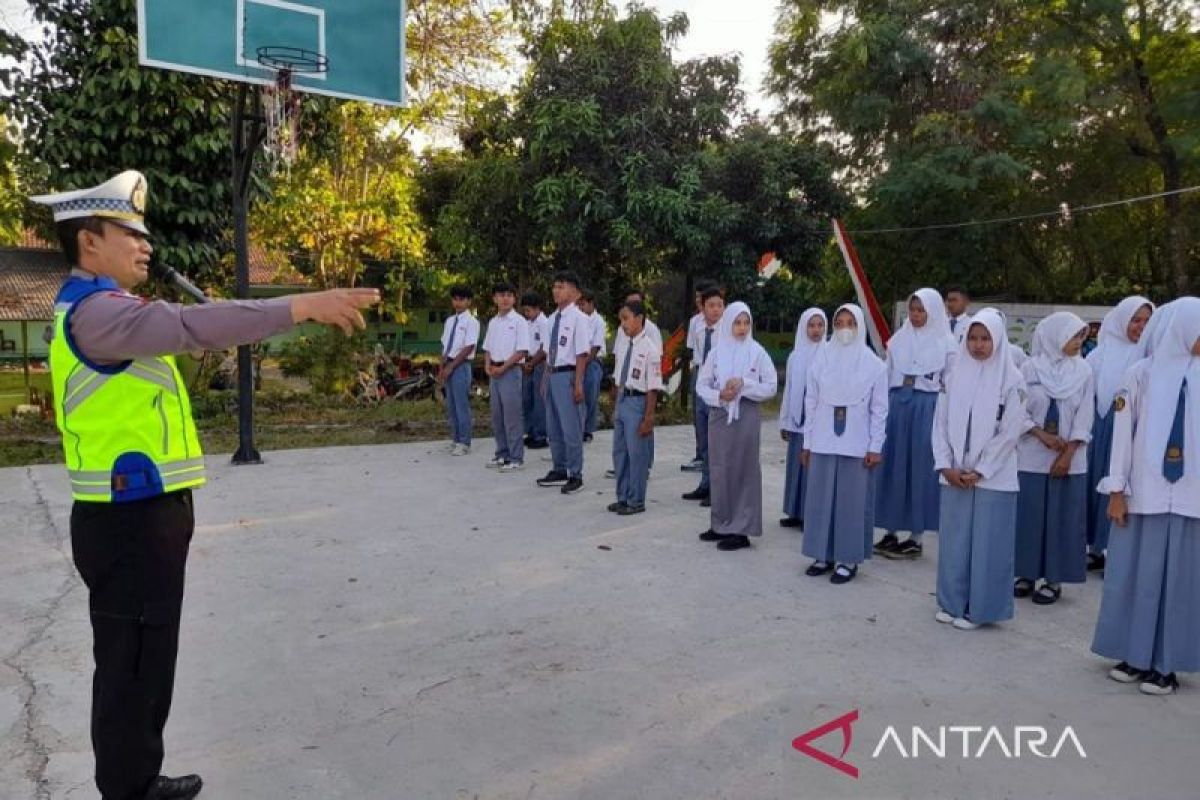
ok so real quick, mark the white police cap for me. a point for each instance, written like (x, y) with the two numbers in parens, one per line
(121, 200)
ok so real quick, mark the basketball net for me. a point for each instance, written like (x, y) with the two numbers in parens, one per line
(281, 112)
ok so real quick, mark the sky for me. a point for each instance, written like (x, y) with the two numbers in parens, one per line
(718, 27)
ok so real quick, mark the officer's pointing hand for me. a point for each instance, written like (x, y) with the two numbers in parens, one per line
(341, 307)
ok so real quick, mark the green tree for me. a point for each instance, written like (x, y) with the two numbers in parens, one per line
(11, 223)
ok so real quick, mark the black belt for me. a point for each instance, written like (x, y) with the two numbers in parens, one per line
(632, 393)
(564, 369)
(499, 363)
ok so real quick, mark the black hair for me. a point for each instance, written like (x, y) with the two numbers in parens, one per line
(703, 286)
(531, 299)
(587, 295)
(503, 287)
(711, 292)
(567, 277)
(68, 235)
(461, 291)
(958, 289)
(630, 292)
(635, 307)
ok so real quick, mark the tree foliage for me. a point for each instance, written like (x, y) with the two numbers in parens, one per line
(947, 111)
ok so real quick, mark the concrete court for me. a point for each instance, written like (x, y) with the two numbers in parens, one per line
(389, 622)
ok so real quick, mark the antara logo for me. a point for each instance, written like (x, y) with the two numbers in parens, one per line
(969, 742)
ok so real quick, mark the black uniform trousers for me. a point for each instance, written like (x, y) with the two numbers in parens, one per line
(132, 556)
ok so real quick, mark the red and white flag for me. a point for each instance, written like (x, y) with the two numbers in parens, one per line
(877, 327)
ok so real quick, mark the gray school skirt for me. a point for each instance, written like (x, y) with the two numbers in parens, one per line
(839, 509)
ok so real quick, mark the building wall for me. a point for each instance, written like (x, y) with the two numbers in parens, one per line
(10, 341)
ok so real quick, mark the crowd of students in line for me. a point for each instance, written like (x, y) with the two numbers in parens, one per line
(1034, 469)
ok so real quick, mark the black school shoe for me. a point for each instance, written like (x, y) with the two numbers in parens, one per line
(1123, 673)
(790, 522)
(712, 536)
(1159, 684)
(630, 510)
(734, 543)
(907, 549)
(843, 574)
(1095, 562)
(587, 438)
(616, 507)
(818, 568)
(537, 444)
(183, 788)
(572, 485)
(553, 478)
(887, 543)
(706, 502)
(696, 494)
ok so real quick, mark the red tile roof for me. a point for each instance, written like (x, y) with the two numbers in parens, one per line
(29, 282)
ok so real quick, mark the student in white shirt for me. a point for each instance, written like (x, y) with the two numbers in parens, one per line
(1121, 345)
(638, 377)
(714, 309)
(595, 368)
(979, 418)
(694, 345)
(505, 347)
(845, 425)
(1148, 614)
(636, 296)
(957, 303)
(810, 337)
(907, 495)
(534, 369)
(735, 380)
(568, 347)
(460, 335)
(1052, 461)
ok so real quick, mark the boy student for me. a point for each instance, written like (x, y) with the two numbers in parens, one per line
(595, 370)
(505, 346)
(534, 407)
(713, 308)
(957, 303)
(638, 382)
(568, 349)
(459, 338)
(695, 337)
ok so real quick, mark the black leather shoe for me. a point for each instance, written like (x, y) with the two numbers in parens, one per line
(182, 788)
(790, 522)
(706, 502)
(696, 494)
(616, 507)
(733, 543)
(711, 536)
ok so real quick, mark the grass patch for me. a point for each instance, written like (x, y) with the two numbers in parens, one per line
(12, 388)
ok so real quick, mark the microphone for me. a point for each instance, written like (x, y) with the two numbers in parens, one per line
(169, 275)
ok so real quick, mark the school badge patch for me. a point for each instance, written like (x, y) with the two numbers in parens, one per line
(1119, 403)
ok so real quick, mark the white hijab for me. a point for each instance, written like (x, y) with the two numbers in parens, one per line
(924, 350)
(1171, 363)
(1061, 375)
(975, 389)
(733, 358)
(846, 372)
(803, 352)
(1115, 353)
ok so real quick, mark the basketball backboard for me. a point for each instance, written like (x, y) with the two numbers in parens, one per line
(362, 41)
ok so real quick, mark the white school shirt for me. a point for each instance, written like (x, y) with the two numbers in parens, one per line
(997, 463)
(695, 337)
(960, 325)
(538, 331)
(760, 384)
(1147, 490)
(465, 335)
(645, 368)
(506, 334)
(866, 423)
(1075, 416)
(574, 336)
(599, 334)
(652, 333)
(932, 382)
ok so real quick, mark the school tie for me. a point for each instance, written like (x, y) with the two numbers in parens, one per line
(839, 420)
(625, 366)
(1173, 458)
(554, 341)
(953, 324)
(707, 345)
(1050, 425)
(450, 341)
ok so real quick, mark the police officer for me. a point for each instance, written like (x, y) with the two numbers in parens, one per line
(133, 459)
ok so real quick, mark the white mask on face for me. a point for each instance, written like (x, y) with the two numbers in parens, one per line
(845, 336)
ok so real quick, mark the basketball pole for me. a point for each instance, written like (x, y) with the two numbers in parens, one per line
(249, 130)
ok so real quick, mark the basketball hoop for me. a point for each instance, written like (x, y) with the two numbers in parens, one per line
(281, 105)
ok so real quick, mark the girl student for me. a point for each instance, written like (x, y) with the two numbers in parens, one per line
(907, 493)
(1148, 614)
(1121, 345)
(1052, 461)
(845, 409)
(979, 418)
(735, 379)
(810, 337)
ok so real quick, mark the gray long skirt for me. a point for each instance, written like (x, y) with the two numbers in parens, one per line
(795, 480)
(1149, 613)
(1052, 528)
(907, 490)
(735, 473)
(839, 509)
(975, 554)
